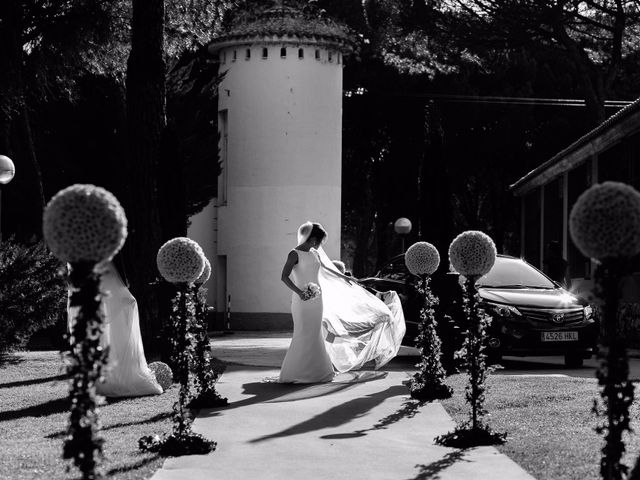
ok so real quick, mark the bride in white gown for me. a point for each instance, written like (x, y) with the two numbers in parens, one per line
(127, 373)
(341, 329)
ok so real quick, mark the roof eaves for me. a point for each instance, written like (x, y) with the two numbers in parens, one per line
(604, 126)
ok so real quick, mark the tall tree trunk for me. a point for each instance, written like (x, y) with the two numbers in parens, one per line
(590, 79)
(25, 193)
(146, 122)
(436, 209)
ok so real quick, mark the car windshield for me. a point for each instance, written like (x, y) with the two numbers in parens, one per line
(514, 273)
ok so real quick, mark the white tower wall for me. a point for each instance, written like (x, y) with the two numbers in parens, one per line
(282, 167)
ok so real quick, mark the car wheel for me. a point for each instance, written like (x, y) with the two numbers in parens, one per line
(573, 360)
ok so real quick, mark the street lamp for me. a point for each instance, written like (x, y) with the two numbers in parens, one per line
(7, 171)
(402, 228)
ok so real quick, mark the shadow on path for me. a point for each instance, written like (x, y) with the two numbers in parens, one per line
(33, 381)
(338, 415)
(59, 405)
(409, 409)
(131, 466)
(432, 471)
(269, 391)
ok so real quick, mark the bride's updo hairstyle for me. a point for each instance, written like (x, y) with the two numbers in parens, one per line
(311, 230)
(318, 232)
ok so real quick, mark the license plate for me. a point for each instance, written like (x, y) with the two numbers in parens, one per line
(559, 336)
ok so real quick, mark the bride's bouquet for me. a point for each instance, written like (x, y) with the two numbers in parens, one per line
(310, 291)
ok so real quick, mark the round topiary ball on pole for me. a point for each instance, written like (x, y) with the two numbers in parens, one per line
(422, 259)
(206, 377)
(181, 261)
(472, 254)
(85, 226)
(605, 225)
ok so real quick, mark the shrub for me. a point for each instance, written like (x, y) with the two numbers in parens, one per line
(32, 292)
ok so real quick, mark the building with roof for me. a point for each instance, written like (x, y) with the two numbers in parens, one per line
(280, 123)
(611, 151)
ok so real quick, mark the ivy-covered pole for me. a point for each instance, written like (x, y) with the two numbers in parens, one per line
(605, 226)
(472, 254)
(206, 377)
(422, 259)
(181, 262)
(84, 226)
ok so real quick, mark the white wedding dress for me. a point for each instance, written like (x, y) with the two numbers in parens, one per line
(127, 373)
(342, 329)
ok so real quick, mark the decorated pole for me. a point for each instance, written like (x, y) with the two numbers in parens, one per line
(472, 254)
(605, 226)
(206, 377)
(181, 262)
(85, 226)
(422, 259)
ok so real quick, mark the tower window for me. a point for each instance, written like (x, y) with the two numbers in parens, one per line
(248, 54)
(301, 53)
(338, 58)
(317, 54)
(330, 57)
(235, 56)
(283, 52)
(265, 52)
(223, 57)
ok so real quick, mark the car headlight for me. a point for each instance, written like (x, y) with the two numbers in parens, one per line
(506, 310)
(588, 312)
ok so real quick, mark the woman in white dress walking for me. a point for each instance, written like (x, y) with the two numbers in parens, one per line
(127, 373)
(339, 326)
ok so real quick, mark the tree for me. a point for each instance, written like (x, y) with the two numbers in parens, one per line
(595, 36)
(146, 121)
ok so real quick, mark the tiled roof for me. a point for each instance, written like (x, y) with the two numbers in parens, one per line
(286, 22)
(599, 130)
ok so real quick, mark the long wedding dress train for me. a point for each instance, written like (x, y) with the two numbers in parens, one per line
(342, 329)
(358, 326)
(127, 373)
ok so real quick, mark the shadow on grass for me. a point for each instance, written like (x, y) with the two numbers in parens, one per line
(155, 418)
(524, 366)
(432, 470)
(131, 466)
(10, 359)
(409, 409)
(59, 405)
(34, 381)
(338, 415)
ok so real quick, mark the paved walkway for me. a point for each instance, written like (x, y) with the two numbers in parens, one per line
(361, 426)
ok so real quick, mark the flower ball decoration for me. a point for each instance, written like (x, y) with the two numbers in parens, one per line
(605, 226)
(163, 373)
(181, 260)
(428, 384)
(206, 273)
(605, 221)
(422, 258)
(472, 253)
(84, 223)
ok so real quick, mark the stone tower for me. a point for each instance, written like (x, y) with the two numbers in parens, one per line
(280, 123)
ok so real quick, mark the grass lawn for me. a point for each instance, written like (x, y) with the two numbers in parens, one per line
(548, 421)
(33, 418)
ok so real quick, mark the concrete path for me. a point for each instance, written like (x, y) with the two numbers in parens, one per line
(361, 426)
